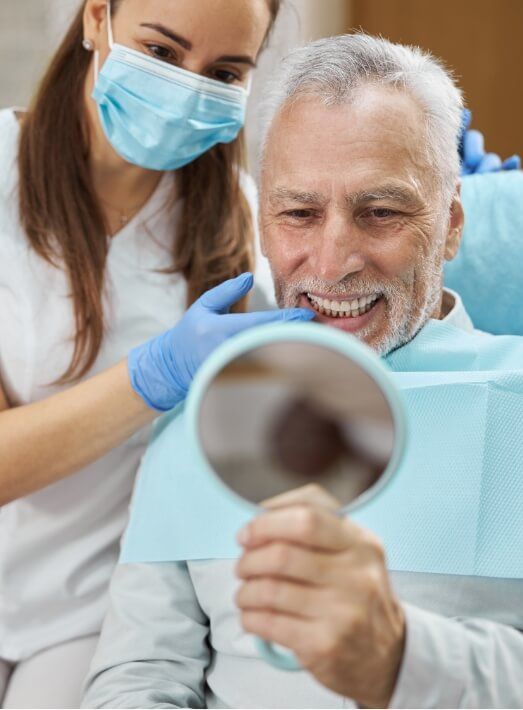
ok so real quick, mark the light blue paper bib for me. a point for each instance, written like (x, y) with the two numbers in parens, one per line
(455, 506)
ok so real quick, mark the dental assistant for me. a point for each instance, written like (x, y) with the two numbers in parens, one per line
(122, 202)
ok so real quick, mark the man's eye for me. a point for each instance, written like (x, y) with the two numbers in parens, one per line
(382, 213)
(160, 52)
(227, 77)
(299, 214)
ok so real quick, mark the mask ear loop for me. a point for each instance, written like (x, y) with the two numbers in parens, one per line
(96, 65)
(110, 38)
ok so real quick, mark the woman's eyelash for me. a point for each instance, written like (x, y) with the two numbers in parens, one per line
(164, 53)
(159, 51)
(225, 75)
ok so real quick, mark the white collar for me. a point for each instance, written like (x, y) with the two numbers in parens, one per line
(457, 314)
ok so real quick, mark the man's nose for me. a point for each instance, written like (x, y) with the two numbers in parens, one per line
(338, 250)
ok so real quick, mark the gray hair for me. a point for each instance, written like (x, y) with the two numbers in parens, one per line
(333, 69)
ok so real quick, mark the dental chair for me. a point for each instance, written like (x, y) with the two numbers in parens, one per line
(488, 269)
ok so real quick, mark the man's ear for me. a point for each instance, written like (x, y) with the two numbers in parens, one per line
(456, 224)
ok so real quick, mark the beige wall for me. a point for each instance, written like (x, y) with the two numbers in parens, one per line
(29, 29)
(322, 18)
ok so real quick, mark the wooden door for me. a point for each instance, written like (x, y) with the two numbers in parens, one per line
(481, 40)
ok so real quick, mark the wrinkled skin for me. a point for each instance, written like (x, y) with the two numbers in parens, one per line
(350, 206)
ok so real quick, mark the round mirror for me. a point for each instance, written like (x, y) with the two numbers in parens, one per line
(286, 414)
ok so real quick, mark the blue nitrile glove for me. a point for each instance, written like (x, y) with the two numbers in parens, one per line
(472, 152)
(161, 370)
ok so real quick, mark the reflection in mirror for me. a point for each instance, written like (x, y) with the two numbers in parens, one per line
(288, 414)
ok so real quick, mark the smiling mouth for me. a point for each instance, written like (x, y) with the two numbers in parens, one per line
(343, 309)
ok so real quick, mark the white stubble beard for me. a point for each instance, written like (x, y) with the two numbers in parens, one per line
(404, 317)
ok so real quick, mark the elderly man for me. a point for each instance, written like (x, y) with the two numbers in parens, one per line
(360, 208)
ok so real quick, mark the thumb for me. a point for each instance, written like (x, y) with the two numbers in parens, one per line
(466, 118)
(220, 298)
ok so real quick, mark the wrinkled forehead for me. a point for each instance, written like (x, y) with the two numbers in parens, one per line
(379, 136)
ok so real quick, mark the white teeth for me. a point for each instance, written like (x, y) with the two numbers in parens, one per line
(343, 309)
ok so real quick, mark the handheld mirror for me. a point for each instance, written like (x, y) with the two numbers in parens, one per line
(280, 407)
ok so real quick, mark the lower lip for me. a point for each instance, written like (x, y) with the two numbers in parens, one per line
(349, 324)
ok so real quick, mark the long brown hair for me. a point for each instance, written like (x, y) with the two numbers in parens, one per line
(63, 218)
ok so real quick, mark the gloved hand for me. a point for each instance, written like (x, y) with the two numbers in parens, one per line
(162, 369)
(472, 152)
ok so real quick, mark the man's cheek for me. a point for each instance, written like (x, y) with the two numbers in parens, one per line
(396, 258)
(285, 253)
(422, 234)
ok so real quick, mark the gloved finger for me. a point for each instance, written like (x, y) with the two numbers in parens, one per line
(220, 298)
(473, 149)
(490, 163)
(241, 321)
(466, 118)
(512, 163)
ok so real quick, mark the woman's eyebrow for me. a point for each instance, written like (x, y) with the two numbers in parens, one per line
(166, 32)
(237, 60)
(169, 34)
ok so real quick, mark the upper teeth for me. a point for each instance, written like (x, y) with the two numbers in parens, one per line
(355, 304)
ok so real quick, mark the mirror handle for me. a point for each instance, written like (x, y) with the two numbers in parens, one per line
(284, 660)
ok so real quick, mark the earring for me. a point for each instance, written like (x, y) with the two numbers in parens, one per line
(88, 44)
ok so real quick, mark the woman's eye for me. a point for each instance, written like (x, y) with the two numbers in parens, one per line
(227, 77)
(160, 52)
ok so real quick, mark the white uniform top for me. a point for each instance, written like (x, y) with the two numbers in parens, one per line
(58, 546)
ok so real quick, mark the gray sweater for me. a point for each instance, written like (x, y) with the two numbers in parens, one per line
(172, 638)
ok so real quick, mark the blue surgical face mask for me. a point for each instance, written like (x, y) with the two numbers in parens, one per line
(159, 116)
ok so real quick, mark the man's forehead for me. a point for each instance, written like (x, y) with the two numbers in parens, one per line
(371, 107)
(370, 145)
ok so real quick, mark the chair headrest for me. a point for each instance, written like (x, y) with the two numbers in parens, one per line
(488, 269)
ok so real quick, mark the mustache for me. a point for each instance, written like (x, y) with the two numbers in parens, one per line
(390, 289)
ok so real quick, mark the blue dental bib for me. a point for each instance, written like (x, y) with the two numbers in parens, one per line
(455, 505)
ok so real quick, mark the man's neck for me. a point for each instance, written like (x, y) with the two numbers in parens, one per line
(447, 304)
